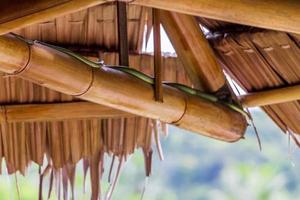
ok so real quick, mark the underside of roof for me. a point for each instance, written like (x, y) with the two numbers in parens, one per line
(257, 59)
(93, 27)
(70, 140)
(263, 60)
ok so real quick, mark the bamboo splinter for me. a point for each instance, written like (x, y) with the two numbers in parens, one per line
(56, 70)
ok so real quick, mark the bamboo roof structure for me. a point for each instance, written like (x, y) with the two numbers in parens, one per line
(263, 60)
(58, 109)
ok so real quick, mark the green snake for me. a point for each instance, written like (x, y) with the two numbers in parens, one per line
(140, 75)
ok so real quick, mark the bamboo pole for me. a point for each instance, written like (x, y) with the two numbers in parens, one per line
(157, 55)
(57, 112)
(122, 34)
(193, 50)
(58, 71)
(270, 97)
(80, 110)
(270, 14)
(19, 14)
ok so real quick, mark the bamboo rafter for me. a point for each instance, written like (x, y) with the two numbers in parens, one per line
(193, 50)
(269, 97)
(277, 15)
(11, 113)
(19, 14)
(270, 14)
(79, 110)
(61, 72)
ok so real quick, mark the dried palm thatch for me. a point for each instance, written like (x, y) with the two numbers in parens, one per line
(66, 142)
(261, 60)
(92, 28)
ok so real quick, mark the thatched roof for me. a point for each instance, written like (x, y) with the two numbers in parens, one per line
(263, 60)
(93, 27)
(259, 60)
(70, 140)
(255, 58)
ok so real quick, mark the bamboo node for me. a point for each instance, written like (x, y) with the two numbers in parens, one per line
(90, 84)
(184, 112)
(23, 68)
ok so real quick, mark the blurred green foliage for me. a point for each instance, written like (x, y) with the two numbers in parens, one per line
(196, 168)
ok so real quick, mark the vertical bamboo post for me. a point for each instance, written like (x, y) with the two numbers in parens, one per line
(157, 56)
(122, 34)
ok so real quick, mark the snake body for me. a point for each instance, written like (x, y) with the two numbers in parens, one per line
(140, 75)
(178, 86)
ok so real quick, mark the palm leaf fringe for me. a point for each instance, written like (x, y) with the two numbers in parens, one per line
(62, 144)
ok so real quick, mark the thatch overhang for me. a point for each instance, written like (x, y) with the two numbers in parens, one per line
(262, 60)
(52, 134)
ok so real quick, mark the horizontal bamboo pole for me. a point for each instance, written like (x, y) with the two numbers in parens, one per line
(269, 97)
(19, 14)
(57, 112)
(113, 88)
(82, 110)
(193, 50)
(271, 14)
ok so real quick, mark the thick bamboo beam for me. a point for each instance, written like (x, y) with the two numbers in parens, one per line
(270, 97)
(17, 14)
(113, 88)
(270, 14)
(193, 50)
(57, 112)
